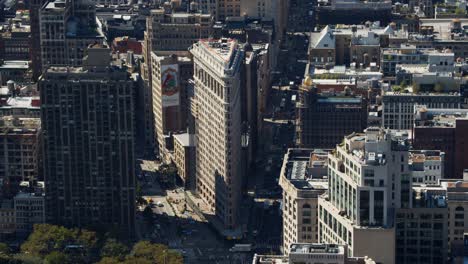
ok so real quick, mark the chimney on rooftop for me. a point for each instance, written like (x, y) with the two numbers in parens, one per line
(167, 7)
(11, 88)
(98, 55)
(193, 7)
(465, 175)
(404, 27)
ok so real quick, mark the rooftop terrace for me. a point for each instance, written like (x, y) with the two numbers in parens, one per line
(316, 249)
(439, 117)
(223, 48)
(305, 168)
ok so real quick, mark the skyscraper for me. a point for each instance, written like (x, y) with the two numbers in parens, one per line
(66, 29)
(227, 8)
(161, 42)
(302, 180)
(34, 8)
(445, 130)
(169, 88)
(323, 120)
(368, 180)
(217, 69)
(88, 117)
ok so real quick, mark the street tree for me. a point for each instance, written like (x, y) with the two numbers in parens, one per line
(109, 260)
(115, 249)
(77, 244)
(56, 258)
(47, 238)
(156, 253)
(4, 248)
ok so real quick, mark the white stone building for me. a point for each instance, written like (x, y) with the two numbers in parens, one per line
(217, 68)
(302, 182)
(368, 180)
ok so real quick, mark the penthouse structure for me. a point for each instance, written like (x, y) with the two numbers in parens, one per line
(444, 130)
(368, 180)
(66, 30)
(312, 253)
(303, 179)
(303, 252)
(217, 69)
(88, 126)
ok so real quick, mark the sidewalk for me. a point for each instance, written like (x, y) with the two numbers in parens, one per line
(197, 204)
(202, 210)
(181, 207)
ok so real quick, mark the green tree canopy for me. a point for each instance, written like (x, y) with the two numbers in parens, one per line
(47, 238)
(114, 249)
(56, 258)
(136, 260)
(50, 244)
(109, 260)
(26, 259)
(128, 260)
(156, 253)
(4, 248)
(460, 11)
(5, 258)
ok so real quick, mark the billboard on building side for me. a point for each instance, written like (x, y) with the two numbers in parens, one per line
(170, 85)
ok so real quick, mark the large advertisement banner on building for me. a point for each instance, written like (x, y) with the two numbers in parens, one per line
(170, 85)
